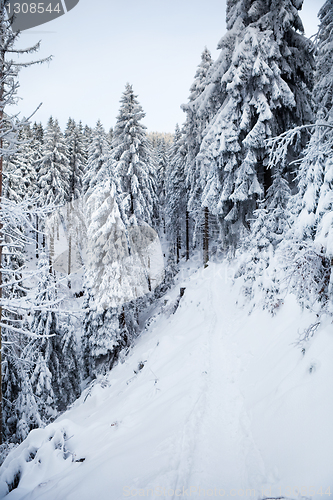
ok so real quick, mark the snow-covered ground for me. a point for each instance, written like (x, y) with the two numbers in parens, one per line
(210, 401)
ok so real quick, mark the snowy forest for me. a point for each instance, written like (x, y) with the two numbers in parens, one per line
(97, 226)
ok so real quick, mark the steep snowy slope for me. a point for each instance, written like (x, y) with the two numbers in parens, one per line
(209, 402)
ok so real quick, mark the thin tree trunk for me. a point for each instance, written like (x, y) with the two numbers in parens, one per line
(187, 235)
(69, 259)
(37, 255)
(1, 238)
(1, 235)
(51, 251)
(148, 276)
(69, 243)
(178, 246)
(206, 238)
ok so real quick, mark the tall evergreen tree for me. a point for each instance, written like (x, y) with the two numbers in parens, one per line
(44, 349)
(132, 162)
(194, 127)
(97, 168)
(266, 73)
(323, 89)
(162, 165)
(176, 195)
(53, 177)
(76, 155)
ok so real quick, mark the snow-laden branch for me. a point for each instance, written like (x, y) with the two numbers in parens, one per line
(279, 145)
(25, 332)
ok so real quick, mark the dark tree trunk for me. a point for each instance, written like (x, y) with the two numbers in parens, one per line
(205, 239)
(37, 254)
(187, 235)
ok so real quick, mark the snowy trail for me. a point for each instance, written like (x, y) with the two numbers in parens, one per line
(226, 457)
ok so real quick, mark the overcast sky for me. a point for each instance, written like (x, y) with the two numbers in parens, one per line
(99, 46)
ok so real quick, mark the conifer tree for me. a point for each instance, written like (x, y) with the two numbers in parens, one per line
(70, 375)
(132, 162)
(194, 127)
(36, 148)
(45, 348)
(176, 194)
(76, 155)
(25, 166)
(162, 165)
(108, 281)
(323, 89)
(97, 169)
(266, 70)
(54, 177)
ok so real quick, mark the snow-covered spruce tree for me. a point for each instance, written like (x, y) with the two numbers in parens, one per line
(97, 160)
(44, 350)
(258, 263)
(266, 73)
(193, 129)
(176, 196)
(23, 165)
(76, 155)
(36, 147)
(162, 165)
(132, 162)
(54, 173)
(323, 89)
(54, 177)
(108, 281)
(70, 376)
(308, 248)
(21, 412)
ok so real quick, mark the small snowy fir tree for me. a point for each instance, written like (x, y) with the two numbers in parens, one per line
(102, 339)
(69, 379)
(132, 162)
(162, 162)
(97, 168)
(25, 167)
(76, 155)
(109, 278)
(54, 174)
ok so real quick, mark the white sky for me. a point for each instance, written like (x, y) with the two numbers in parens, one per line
(154, 44)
